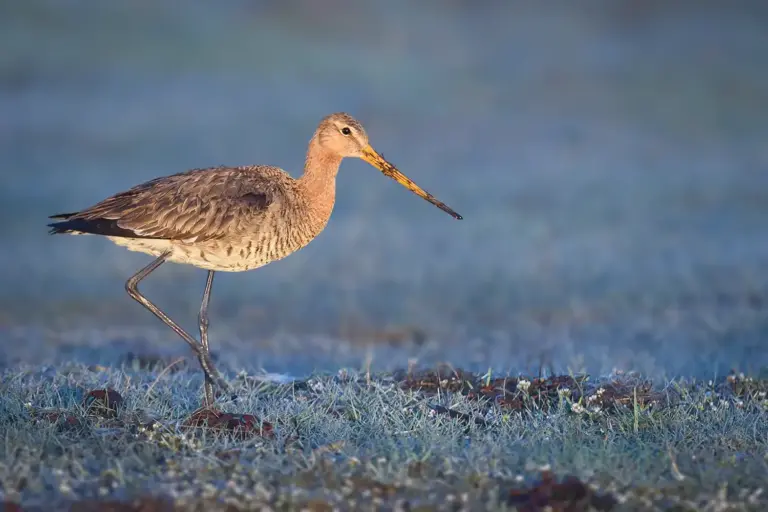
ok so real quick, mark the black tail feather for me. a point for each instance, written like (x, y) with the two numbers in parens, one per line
(105, 227)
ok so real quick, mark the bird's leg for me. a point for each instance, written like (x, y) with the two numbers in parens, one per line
(203, 319)
(131, 286)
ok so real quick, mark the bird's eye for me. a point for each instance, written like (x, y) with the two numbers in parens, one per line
(346, 130)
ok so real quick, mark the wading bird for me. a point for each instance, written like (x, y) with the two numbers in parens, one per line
(230, 219)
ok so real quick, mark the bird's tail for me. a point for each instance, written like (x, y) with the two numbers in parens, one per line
(60, 227)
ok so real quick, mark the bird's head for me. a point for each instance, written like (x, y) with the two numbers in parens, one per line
(342, 135)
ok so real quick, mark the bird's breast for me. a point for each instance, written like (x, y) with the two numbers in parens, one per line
(276, 238)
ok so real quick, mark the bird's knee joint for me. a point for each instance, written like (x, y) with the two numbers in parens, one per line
(132, 288)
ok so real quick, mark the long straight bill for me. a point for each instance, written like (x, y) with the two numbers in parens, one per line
(372, 157)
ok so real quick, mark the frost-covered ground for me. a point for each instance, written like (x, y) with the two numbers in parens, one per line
(419, 440)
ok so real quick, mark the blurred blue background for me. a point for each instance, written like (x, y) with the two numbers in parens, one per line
(610, 159)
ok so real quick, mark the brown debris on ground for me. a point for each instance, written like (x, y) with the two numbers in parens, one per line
(568, 495)
(105, 403)
(103, 408)
(242, 426)
(519, 393)
(625, 393)
(535, 393)
(746, 390)
(63, 419)
(443, 378)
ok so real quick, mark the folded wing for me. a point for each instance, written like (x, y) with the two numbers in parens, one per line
(198, 205)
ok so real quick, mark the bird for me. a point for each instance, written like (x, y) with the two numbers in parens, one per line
(230, 219)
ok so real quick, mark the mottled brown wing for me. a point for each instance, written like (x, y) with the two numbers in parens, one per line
(198, 205)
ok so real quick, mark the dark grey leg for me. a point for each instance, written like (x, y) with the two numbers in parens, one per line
(131, 286)
(203, 319)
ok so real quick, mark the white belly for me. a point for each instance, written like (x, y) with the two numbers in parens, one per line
(215, 255)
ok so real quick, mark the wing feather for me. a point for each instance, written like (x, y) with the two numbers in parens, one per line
(198, 205)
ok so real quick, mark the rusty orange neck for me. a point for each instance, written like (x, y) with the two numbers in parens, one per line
(319, 180)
